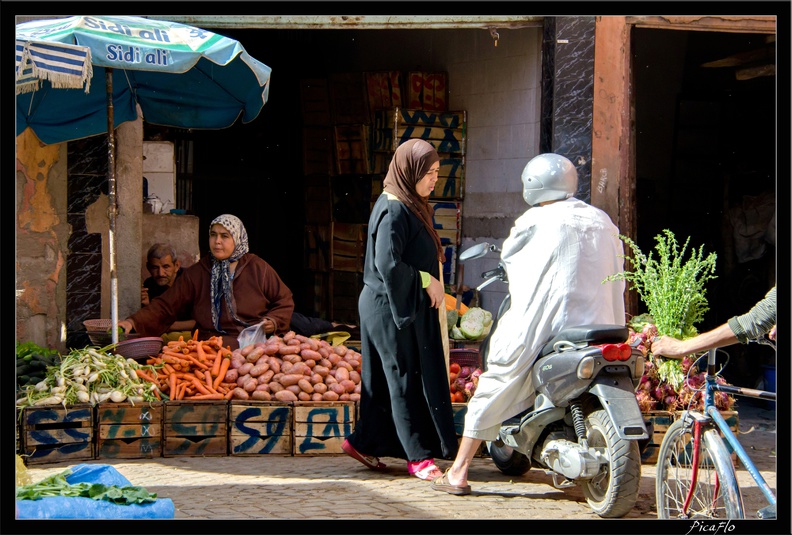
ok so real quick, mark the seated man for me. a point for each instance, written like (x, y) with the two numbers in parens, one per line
(164, 266)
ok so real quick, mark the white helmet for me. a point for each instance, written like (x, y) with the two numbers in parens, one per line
(548, 177)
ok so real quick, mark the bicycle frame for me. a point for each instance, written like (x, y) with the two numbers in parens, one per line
(713, 415)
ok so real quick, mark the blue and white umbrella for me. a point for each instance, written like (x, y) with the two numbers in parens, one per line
(178, 75)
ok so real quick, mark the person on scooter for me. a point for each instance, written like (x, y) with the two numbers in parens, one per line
(556, 257)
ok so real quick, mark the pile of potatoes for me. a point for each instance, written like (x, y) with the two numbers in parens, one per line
(295, 368)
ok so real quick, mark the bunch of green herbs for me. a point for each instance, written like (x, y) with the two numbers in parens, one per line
(671, 286)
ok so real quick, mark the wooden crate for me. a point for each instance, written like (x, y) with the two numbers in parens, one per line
(315, 102)
(17, 425)
(351, 195)
(55, 433)
(348, 246)
(317, 247)
(195, 428)
(660, 421)
(345, 288)
(383, 89)
(427, 90)
(450, 178)
(316, 293)
(352, 149)
(320, 427)
(260, 428)
(126, 431)
(445, 131)
(318, 199)
(733, 420)
(317, 144)
(447, 218)
(380, 162)
(348, 98)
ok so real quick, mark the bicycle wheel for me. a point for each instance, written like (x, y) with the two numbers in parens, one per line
(716, 494)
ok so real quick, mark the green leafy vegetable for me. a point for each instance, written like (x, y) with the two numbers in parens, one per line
(56, 485)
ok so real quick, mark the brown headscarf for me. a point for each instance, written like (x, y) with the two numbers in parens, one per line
(410, 163)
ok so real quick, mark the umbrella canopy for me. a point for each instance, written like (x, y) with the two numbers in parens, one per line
(180, 76)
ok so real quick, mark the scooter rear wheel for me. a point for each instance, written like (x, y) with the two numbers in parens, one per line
(612, 493)
(508, 460)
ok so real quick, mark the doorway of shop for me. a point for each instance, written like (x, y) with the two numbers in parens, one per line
(705, 127)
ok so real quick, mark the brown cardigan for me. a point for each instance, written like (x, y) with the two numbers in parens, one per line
(258, 291)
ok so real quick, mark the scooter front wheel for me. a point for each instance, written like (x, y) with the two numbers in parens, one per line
(508, 460)
(613, 492)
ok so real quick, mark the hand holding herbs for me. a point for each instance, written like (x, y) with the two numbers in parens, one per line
(56, 485)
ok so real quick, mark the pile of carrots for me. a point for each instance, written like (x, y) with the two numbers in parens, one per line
(192, 369)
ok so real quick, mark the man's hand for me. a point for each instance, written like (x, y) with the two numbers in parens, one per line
(772, 334)
(144, 297)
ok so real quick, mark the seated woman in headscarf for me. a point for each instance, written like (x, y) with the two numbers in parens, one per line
(228, 290)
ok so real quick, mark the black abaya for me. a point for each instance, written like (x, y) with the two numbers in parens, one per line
(405, 405)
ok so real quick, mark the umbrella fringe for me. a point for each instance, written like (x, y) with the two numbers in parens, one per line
(64, 66)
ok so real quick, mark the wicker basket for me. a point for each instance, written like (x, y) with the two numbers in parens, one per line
(97, 325)
(140, 348)
(104, 338)
(465, 357)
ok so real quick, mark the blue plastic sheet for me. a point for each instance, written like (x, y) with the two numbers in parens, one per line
(74, 508)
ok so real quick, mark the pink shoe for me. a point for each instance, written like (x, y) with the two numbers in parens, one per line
(371, 462)
(426, 469)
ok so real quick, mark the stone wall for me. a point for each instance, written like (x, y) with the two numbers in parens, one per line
(42, 234)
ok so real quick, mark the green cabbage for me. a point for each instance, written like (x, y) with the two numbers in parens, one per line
(453, 317)
(475, 323)
(456, 334)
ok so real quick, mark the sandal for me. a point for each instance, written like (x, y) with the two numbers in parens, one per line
(442, 483)
(370, 461)
(426, 469)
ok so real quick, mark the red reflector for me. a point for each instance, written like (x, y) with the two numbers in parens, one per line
(610, 352)
(626, 351)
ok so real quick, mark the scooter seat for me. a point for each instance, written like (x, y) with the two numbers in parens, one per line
(595, 333)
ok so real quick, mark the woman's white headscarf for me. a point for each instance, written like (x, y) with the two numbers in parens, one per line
(221, 285)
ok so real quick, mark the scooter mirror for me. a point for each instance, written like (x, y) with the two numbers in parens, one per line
(477, 251)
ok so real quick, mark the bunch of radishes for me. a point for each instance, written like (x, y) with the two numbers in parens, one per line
(669, 384)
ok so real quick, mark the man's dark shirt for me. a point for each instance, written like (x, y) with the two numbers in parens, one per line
(155, 290)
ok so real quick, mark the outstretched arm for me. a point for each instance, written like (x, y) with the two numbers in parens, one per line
(671, 347)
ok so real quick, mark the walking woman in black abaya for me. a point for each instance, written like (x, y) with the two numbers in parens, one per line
(405, 405)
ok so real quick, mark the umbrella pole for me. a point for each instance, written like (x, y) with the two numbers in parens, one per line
(113, 208)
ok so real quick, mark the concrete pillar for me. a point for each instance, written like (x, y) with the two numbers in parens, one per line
(567, 93)
(129, 222)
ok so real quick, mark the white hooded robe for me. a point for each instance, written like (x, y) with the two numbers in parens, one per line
(556, 257)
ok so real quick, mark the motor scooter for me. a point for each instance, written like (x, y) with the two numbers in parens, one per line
(585, 425)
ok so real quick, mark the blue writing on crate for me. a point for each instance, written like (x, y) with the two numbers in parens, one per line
(323, 422)
(273, 430)
(45, 437)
